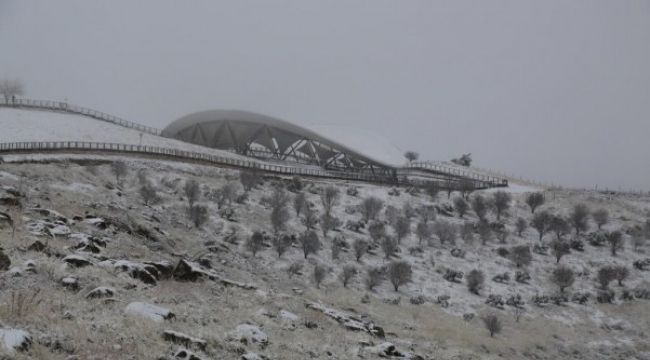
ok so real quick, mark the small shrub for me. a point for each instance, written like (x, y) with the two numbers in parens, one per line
(199, 215)
(371, 207)
(399, 273)
(452, 275)
(522, 277)
(521, 255)
(318, 275)
(348, 272)
(521, 225)
(255, 242)
(295, 268)
(374, 277)
(281, 243)
(563, 277)
(560, 248)
(388, 246)
(475, 280)
(492, 324)
(461, 206)
(605, 275)
(309, 243)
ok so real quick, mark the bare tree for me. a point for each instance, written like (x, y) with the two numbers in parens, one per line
(638, 240)
(580, 218)
(11, 88)
(466, 187)
(541, 222)
(299, 202)
(360, 247)
(480, 205)
(461, 206)
(432, 189)
(621, 273)
(149, 195)
(329, 222)
(309, 218)
(249, 178)
(199, 215)
(391, 214)
(349, 272)
(501, 202)
(467, 232)
(445, 231)
(281, 243)
(605, 275)
(521, 255)
(389, 246)
(408, 210)
(255, 242)
(492, 324)
(560, 248)
(559, 226)
(295, 268)
(330, 198)
(280, 215)
(371, 207)
(426, 213)
(521, 225)
(377, 230)
(423, 231)
(399, 273)
(450, 186)
(309, 243)
(535, 200)
(485, 232)
(374, 277)
(563, 277)
(319, 274)
(402, 228)
(192, 192)
(615, 239)
(228, 193)
(475, 280)
(411, 156)
(601, 217)
(502, 235)
(119, 169)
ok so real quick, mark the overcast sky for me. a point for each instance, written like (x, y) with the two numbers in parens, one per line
(555, 91)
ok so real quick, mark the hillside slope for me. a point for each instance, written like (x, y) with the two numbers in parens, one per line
(230, 303)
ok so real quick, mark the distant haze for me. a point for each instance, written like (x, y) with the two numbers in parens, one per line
(555, 91)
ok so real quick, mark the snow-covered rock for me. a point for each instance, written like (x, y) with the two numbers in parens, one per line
(184, 339)
(101, 292)
(289, 315)
(14, 339)
(77, 260)
(153, 312)
(246, 334)
(135, 270)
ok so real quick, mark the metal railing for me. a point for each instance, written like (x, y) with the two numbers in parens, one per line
(457, 173)
(63, 146)
(78, 110)
(448, 173)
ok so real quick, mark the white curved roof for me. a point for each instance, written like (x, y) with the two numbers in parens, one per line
(237, 129)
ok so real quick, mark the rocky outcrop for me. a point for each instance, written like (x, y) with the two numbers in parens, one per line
(184, 339)
(13, 340)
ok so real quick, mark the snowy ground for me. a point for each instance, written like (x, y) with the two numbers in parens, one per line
(212, 312)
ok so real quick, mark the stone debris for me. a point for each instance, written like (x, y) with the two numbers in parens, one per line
(153, 312)
(348, 321)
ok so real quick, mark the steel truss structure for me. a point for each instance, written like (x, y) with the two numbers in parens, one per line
(261, 136)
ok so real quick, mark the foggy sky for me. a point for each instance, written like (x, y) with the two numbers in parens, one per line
(555, 91)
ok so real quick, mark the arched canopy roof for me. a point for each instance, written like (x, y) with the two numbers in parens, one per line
(260, 135)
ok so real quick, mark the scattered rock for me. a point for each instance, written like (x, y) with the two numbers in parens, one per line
(191, 271)
(289, 316)
(135, 270)
(13, 339)
(246, 334)
(184, 339)
(100, 292)
(36, 246)
(15, 272)
(153, 312)
(5, 262)
(70, 283)
(186, 354)
(77, 260)
(348, 321)
(389, 350)
(29, 266)
(253, 356)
